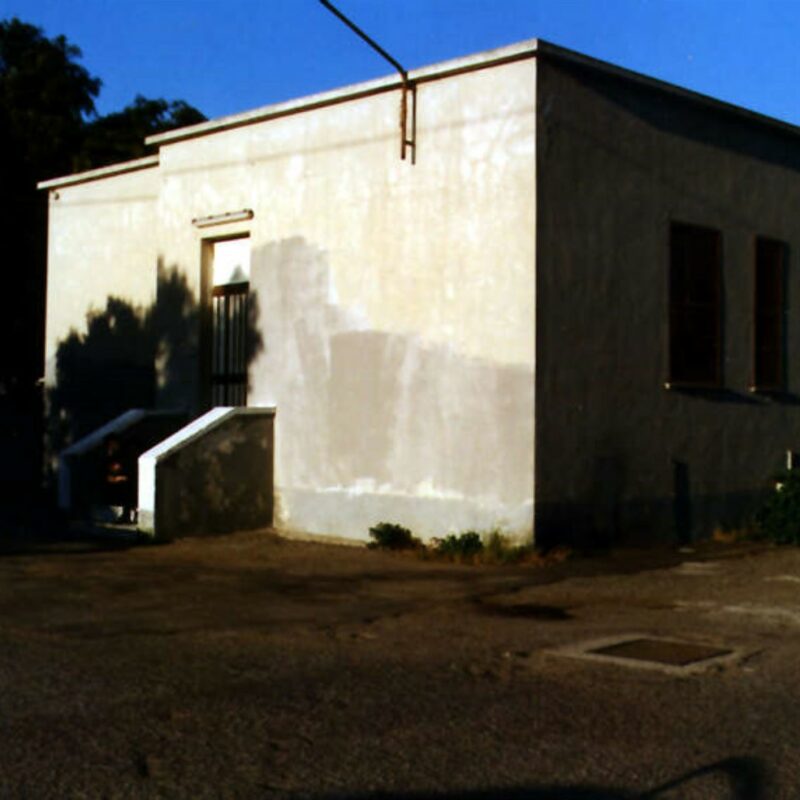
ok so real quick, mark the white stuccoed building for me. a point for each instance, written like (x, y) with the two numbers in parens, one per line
(565, 310)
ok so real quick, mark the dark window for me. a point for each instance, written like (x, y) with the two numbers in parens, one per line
(768, 306)
(695, 307)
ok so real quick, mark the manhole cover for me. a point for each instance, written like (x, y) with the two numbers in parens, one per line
(672, 656)
(662, 651)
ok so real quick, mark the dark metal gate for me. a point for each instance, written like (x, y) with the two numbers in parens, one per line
(229, 345)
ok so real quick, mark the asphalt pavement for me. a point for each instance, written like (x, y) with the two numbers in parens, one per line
(248, 666)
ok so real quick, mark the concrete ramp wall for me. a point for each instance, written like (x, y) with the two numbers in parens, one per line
(81, 465)
(213, 476)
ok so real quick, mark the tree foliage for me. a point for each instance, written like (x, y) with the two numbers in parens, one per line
(120, 136)
(48, 127)
(48, 114)
(45, 99)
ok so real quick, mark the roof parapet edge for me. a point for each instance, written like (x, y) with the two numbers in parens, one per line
(486, 58)
(101, 172)
(548, 50)
(529, 48)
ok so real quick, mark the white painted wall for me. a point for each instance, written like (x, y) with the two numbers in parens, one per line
(101, 244)
(395, 302)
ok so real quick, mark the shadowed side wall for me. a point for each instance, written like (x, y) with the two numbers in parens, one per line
(618, 454)
(396, 301)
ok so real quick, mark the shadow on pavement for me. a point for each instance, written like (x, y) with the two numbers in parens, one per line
(746, 778)
(77, 545)
(42, 531)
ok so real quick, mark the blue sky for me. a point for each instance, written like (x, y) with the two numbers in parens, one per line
(226, 56)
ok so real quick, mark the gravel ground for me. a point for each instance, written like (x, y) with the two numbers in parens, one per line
(249, 666)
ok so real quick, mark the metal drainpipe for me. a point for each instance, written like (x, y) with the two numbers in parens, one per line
(408, 86)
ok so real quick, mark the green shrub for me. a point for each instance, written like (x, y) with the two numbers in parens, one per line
(389, 536)
(460, 546)
(778, 519)
(498, 549)
(473, 547)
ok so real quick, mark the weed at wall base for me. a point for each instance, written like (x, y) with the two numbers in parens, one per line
(390, 536)
(491, 547)
(778, 519)
(459, 547)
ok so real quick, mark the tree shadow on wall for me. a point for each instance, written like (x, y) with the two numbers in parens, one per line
(132, 356)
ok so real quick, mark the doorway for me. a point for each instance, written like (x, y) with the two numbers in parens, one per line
(229, 329)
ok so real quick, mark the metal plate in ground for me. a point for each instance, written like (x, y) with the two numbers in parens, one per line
(672, 656)
(662, 651)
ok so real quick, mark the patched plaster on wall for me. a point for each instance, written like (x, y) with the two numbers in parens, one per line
(365, 412)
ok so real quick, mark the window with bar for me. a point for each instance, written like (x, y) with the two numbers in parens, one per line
(695, 306)
(768, 315)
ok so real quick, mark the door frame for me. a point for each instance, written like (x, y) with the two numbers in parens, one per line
(206, 321)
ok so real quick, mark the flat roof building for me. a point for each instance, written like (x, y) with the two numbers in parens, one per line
(567, 309)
